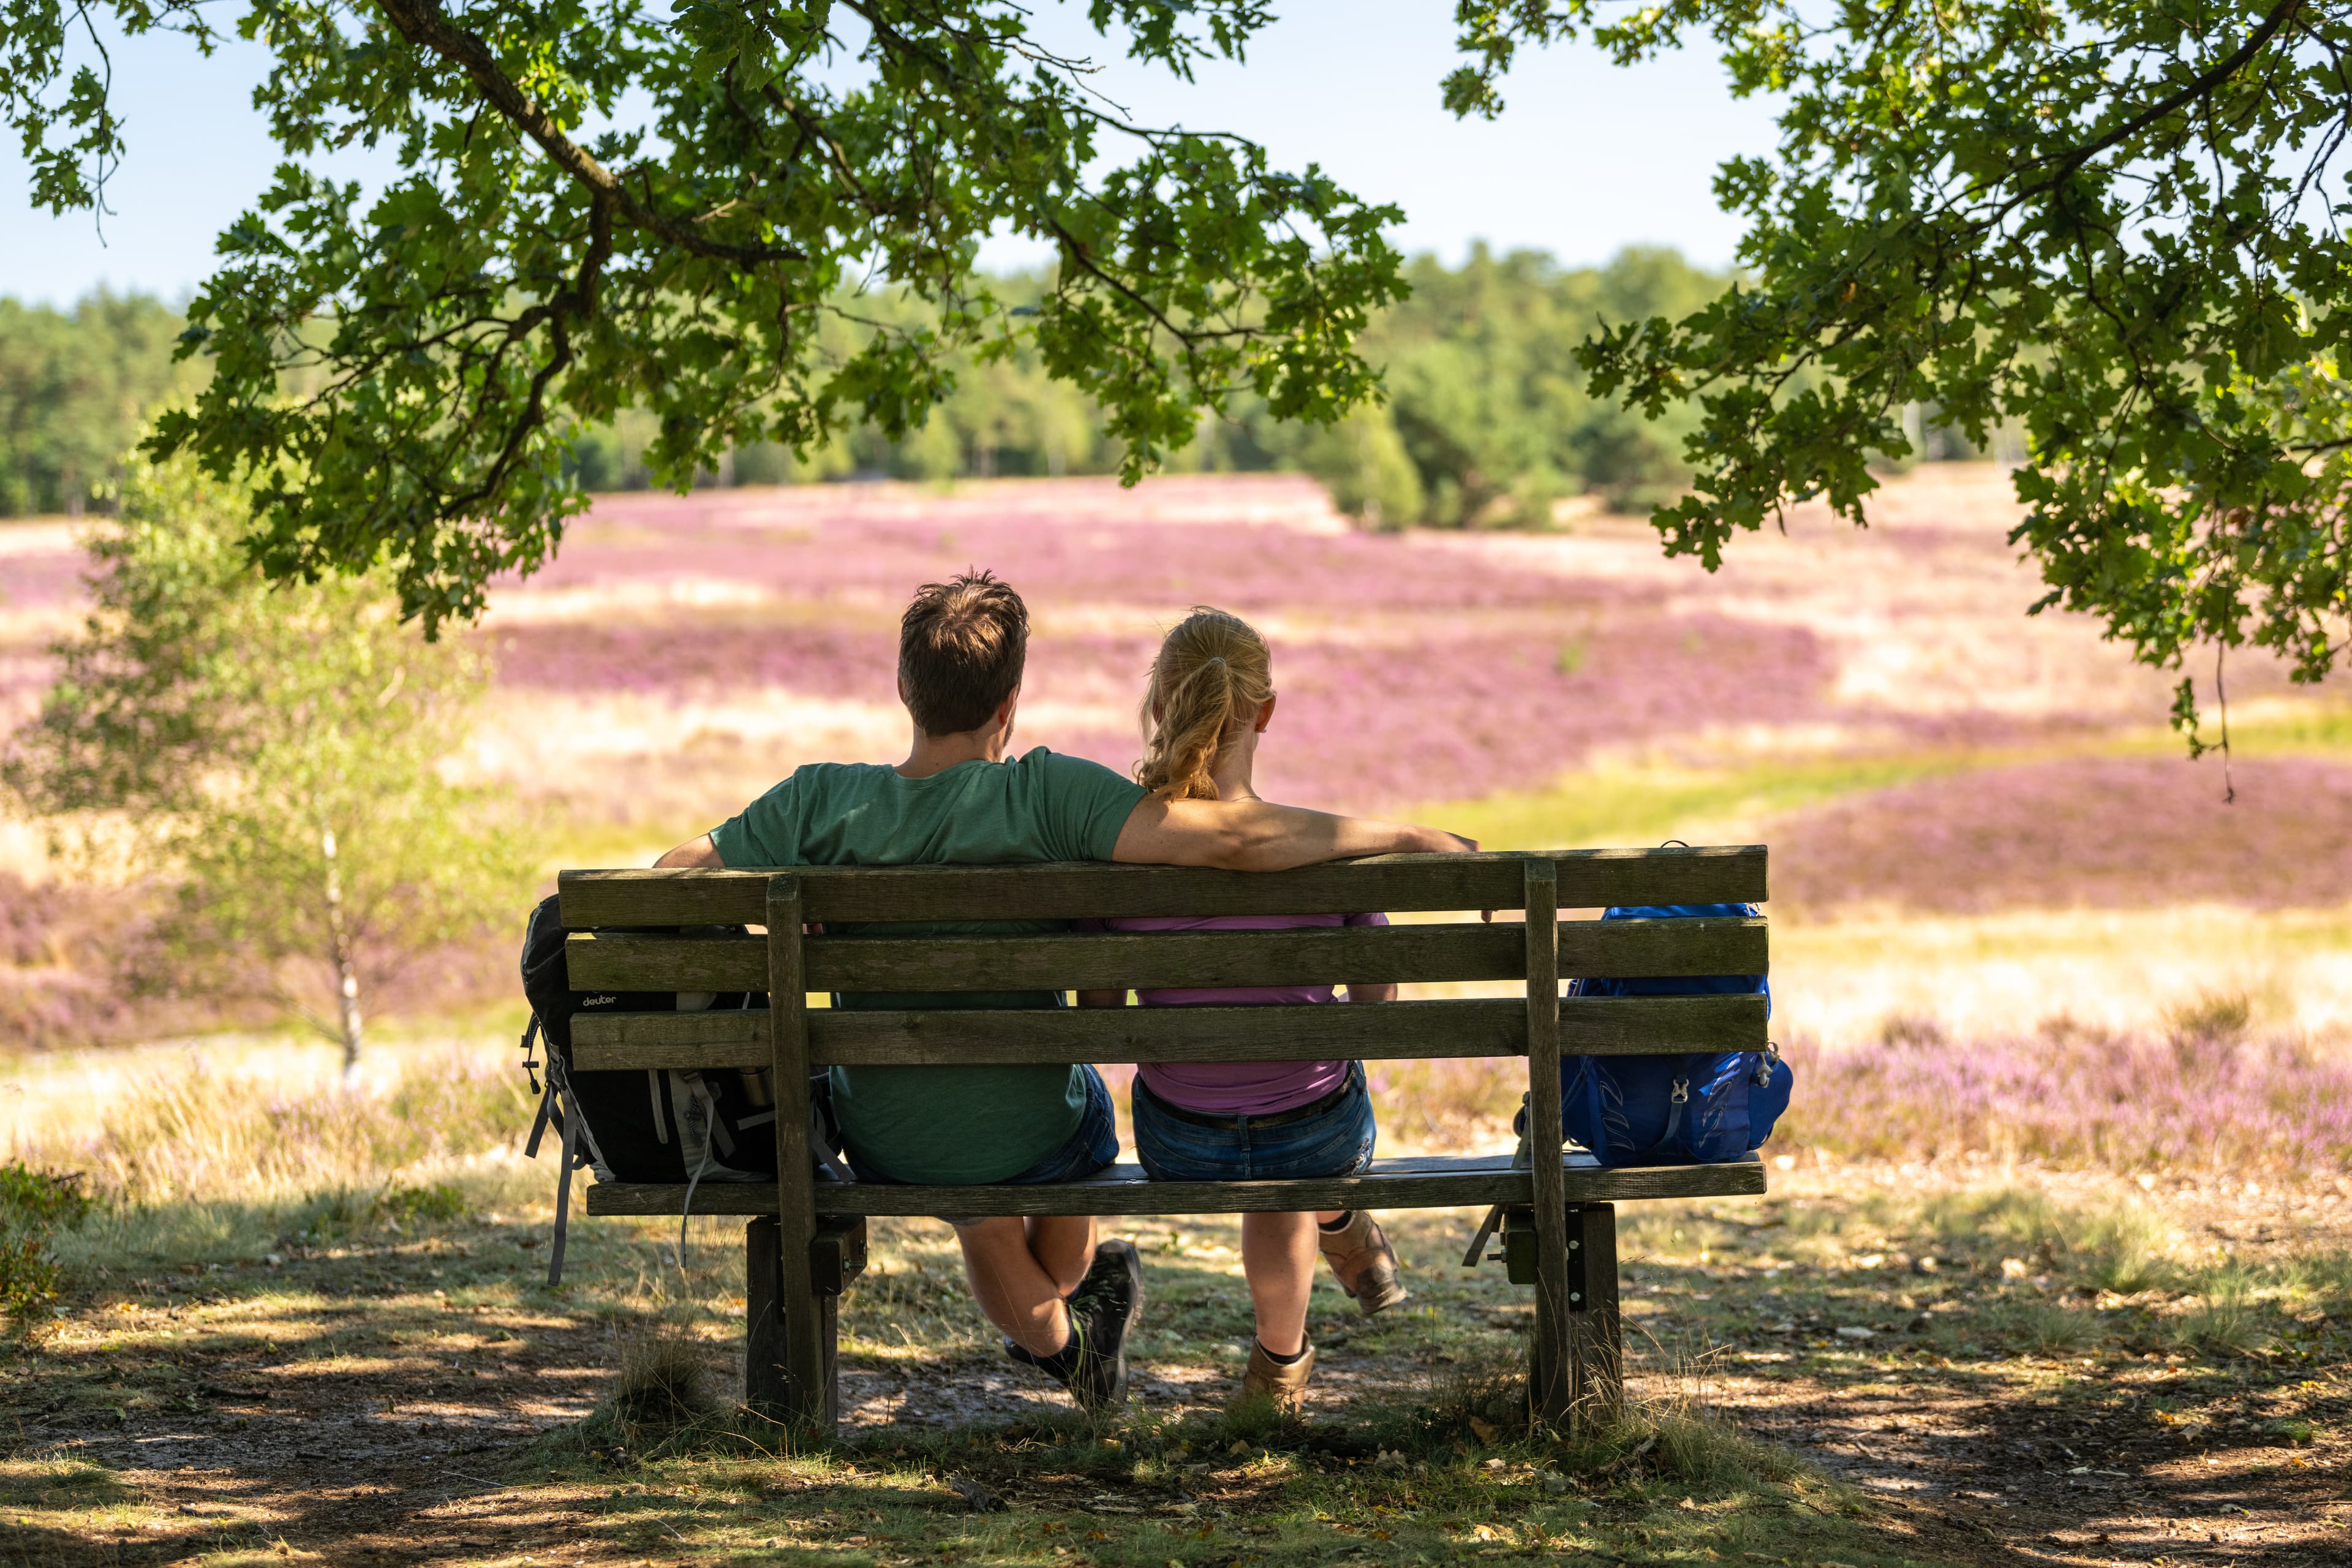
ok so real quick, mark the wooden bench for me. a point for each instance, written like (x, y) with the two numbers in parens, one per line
(805, 1239)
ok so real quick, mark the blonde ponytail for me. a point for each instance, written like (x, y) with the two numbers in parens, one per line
(1210, 670)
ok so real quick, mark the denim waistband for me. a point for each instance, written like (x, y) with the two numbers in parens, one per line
(1271, 1119)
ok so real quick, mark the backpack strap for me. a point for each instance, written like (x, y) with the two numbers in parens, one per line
(1676, 1098)
(572, 1126)
(700, 1092)
(821, 1145)
(530, 1032)
(548, 1109)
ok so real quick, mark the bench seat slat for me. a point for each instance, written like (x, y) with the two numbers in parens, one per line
(1590, 1026)
(1443, 1183)
(624, 962)
(1588, 878)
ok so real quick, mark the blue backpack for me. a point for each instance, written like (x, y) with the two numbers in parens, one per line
(1703, 1108)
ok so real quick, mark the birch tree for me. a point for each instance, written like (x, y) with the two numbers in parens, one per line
(272, 755)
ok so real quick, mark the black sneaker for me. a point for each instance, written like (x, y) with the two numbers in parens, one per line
(1103, 1309)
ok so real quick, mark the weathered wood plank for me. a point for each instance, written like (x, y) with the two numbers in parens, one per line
(1406, 1030)
(736, 1037)
(1593, 1318)
(806, 1331)
(1123, 1190)
(1586, 877)
(1102, 960)
(1172, 959)
(767, 1380)
(1590, 1026)
(1554, 1359)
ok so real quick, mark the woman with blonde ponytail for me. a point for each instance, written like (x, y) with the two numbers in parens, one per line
(1207, 707)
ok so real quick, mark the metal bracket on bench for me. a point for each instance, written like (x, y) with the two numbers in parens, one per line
(1518, 1254)
(836, 1253)
(1579, 1295)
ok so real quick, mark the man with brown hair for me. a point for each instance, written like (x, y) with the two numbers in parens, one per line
(1064, 1303)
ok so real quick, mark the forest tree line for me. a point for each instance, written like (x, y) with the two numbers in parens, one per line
(1486, 421)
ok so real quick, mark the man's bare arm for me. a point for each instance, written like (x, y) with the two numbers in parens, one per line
(695, 855)
(1258, 836)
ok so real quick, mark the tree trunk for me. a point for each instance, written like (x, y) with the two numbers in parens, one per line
(347, 977)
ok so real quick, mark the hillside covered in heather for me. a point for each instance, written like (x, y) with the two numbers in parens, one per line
(1876, 705)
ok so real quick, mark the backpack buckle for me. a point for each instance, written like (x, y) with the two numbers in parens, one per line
(1681, 1095)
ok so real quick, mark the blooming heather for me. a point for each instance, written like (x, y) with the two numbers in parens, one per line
(2086, 1099)
(2095, 832)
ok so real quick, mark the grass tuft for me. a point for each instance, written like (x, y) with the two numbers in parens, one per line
(2228, 1319)
(1481, 1399)
(664, 1384)
(2046, 1328)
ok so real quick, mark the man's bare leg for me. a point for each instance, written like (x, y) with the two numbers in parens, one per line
(1020, 1271)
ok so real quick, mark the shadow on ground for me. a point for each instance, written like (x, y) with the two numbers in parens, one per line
(1846, 1373)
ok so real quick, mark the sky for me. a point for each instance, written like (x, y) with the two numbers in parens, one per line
(1588, 158)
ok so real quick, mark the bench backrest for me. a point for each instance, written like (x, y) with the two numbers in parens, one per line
(624, 954)
(789, 1329)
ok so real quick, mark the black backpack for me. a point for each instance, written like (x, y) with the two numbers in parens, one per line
(661, 1125)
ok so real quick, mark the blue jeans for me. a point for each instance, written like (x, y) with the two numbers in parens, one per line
(1093, 1145)
(1336, 1141)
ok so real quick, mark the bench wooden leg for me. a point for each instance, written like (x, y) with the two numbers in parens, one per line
(1596, 1343)
(1551, 1359)
(790, 1338)
(791, 1335)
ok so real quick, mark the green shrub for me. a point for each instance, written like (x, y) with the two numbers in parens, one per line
(440, 1202)
(33, 1205)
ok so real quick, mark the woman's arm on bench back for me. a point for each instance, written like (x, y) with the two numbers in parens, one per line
(1259, 835)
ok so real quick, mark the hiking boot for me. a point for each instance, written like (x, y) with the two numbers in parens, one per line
(1285, 1384)
(1103, 1309)
(1361, 1258)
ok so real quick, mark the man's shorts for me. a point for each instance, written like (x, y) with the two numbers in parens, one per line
(1091, 1147)
(1332, 1137)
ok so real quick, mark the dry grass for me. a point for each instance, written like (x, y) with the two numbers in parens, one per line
(666, 1385)
(2123, 970)
(261, 1121)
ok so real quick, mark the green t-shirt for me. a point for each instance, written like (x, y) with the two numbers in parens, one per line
(941, 1125)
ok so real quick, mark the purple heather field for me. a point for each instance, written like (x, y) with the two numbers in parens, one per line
(1408, 674)
(743, 632)
(2073, 1097)
(1414, 669)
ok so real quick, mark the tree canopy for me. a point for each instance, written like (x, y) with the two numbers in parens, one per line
(75, 388)
(1485, 417)
(2116, 224)
(605, 204)
(2111, 223)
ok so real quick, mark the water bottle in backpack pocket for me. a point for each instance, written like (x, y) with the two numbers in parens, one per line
(1699, 1108)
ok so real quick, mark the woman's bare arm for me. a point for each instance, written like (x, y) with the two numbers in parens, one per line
(1259, 835)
